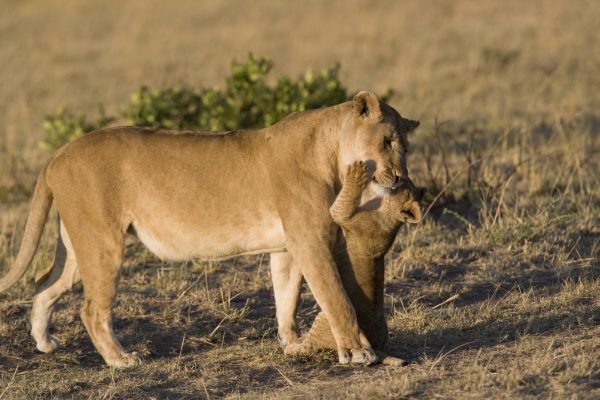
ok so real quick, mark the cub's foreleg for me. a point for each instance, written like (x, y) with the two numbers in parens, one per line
(347, 201)
(319, 337)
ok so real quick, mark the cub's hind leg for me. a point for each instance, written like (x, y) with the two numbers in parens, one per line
(58, 278)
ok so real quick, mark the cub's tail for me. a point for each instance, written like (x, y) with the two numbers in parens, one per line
(40, 207)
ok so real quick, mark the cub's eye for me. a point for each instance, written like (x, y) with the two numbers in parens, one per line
(387, 142)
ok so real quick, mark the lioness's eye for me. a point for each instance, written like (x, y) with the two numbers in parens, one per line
(387, 142)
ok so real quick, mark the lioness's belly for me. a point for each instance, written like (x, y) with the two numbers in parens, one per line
(173, 242)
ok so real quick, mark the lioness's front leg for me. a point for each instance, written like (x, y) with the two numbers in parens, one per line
(287, 283)
(310, 234)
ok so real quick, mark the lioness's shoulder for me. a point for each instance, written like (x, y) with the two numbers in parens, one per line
(317, 113)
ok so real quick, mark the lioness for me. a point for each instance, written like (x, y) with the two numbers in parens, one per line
(359, 253)
(209, 196)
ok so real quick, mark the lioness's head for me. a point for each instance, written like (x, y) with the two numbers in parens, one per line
(378, 134)
(403, 202)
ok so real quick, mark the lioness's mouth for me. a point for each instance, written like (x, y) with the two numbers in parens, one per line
(397, 181)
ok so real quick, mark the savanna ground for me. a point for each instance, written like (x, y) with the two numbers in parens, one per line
(495, 294)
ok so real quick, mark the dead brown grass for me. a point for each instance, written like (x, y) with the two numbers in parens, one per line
(495, 294)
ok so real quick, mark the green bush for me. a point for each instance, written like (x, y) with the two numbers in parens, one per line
(247, 101)
(64, 126)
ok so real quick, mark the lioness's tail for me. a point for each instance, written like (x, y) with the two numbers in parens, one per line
(40, 206)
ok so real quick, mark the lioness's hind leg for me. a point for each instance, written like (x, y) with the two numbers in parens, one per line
(62, 275)
(99, 263)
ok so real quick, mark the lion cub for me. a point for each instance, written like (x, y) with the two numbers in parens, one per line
(359, 254)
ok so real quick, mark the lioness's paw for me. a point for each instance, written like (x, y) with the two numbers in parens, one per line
(357, 174)
(364, 356)
(49, 345)
(287, 339)
(126, 360)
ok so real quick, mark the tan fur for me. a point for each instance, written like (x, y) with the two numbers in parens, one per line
(209, 196)
(359, 252)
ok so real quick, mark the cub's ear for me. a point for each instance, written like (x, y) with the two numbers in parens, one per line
(366, 105)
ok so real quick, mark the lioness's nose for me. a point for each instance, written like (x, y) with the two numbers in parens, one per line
(405, 180)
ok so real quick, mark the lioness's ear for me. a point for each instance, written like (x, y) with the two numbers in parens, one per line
(366, 105)
(413, 124)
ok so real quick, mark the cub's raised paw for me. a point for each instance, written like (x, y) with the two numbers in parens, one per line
(357, 174)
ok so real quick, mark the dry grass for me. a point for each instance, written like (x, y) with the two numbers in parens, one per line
(495, 294)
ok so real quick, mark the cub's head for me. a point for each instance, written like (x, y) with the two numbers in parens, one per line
(378, 134)
(402, 204)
